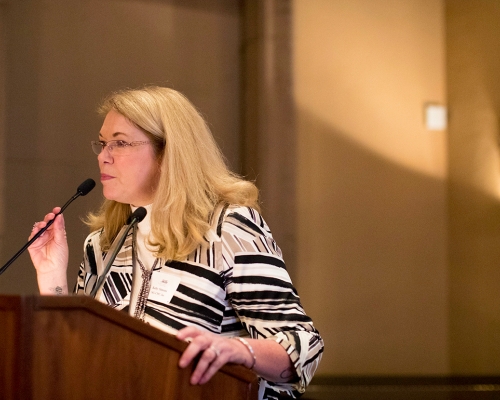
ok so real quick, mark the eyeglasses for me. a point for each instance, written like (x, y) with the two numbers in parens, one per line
(115, 147)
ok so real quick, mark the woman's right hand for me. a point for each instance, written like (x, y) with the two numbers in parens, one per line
(49, 254)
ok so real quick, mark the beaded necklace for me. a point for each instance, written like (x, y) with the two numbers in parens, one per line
(140, 308)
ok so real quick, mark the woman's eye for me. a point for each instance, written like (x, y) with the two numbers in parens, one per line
(121, 143)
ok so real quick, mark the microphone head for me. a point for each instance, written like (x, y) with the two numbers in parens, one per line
(138, 215)
(86, 187)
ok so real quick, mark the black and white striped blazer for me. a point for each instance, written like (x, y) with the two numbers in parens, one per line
(235, 284)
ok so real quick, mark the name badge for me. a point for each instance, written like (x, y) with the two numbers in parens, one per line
(163, 287)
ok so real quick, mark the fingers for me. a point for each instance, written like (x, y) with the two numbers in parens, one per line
(203, 373)
(210, 361)
(210, 350)
(187, 334)
(36, 228)
(197, 343)
(50, 216)
(58, 224)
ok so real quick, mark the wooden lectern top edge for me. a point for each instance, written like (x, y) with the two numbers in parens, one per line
(104, 311)
(33, 303)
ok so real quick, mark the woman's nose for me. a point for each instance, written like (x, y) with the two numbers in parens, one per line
(105, 155)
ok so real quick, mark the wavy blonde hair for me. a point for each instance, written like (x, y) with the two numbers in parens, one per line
(194, 177)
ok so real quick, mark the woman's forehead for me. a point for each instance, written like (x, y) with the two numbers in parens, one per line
(117, 126)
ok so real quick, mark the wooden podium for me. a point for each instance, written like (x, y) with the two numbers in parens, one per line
(74, 347)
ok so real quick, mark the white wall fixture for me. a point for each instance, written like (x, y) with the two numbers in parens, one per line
(435, 117)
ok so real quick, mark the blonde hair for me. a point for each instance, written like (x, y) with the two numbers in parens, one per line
(194, 177)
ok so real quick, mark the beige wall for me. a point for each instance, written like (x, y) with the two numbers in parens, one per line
(372, 228)
(473, 46)
(373, 266)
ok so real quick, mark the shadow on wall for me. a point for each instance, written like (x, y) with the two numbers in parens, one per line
(474, 281)
(375, 235)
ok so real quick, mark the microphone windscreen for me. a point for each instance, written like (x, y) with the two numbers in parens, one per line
(86, 187)
(138, 215)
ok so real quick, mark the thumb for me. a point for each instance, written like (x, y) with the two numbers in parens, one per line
(59, 225)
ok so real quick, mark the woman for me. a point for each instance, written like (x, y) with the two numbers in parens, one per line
(228, 293)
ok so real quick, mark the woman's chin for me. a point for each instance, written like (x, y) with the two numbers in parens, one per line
(109, 195)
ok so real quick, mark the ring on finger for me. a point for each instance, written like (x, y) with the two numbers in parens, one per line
(217, 353)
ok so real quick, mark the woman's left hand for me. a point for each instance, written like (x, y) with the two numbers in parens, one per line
(214, 351)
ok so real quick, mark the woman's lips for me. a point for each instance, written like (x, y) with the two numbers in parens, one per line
(105, 177)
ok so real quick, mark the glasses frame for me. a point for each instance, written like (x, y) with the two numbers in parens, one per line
(111, 144)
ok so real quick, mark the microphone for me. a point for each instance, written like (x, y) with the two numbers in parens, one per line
(134, 218)
(82, 190)
(137, 216)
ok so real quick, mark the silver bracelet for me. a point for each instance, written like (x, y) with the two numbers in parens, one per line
(250, 349)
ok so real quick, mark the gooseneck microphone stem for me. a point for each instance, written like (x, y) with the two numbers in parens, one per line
(136, 217)
(82, 190)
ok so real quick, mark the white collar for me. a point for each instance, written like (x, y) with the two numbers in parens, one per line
(145, 225)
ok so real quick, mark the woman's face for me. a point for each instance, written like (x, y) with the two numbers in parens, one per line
(130, 178)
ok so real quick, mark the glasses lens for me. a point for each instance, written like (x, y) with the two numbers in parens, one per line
(115, 147)
(119, 147)
(96, 147)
